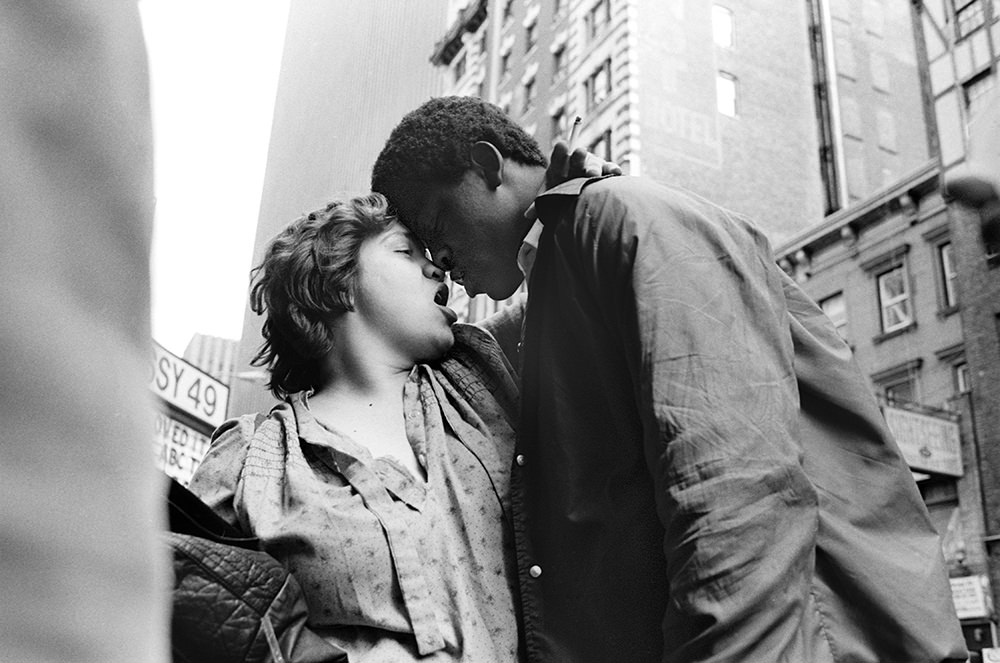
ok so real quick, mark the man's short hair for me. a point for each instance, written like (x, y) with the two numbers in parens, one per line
(308, 277)
(431, 144)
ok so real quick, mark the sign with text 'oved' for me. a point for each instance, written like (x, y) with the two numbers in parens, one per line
(187, 387)
(178, 448)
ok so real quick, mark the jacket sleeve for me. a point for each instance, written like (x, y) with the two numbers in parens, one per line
(696, 297)
(216, 480)
(505, 327)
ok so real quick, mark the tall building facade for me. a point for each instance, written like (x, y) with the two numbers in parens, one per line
(836, 124)
(908, 277)
(214, 355)
(349, 72)
(714, 97)
(783, 112)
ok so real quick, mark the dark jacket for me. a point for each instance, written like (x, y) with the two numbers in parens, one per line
(231, 603)
(703, 473)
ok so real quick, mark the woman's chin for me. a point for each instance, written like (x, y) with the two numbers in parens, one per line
(440, 347)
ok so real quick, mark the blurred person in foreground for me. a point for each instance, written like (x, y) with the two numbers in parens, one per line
(83, 575)
(702, 473)
(381, 480)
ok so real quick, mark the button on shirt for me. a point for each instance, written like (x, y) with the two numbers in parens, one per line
(394, 568)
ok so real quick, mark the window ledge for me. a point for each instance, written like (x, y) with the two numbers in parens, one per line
(885, 336)
(948, 311)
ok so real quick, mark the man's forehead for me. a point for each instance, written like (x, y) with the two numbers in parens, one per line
(416, 206)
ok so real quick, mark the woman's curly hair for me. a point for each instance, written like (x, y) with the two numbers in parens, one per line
(306, 279)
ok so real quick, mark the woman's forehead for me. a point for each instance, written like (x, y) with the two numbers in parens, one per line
(396, 231)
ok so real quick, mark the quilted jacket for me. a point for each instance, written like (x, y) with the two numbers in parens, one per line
(240, 606)
(233, 603)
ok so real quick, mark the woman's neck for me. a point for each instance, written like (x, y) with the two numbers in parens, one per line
(370, 412)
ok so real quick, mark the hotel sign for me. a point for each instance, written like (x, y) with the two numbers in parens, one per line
(929, 443)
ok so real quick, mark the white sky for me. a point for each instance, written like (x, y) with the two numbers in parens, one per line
(214, 70)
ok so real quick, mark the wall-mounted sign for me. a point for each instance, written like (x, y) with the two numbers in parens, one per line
(971, 595)
(187, 387)
(177, 447)
(929, 443)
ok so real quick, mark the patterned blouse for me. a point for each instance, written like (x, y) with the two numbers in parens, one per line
(393, 567)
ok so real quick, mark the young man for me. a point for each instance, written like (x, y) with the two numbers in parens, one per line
(701, 472)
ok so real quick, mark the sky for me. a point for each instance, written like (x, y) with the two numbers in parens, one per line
(213, 75)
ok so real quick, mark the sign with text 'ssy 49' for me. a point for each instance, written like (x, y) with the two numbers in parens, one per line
(187, 387)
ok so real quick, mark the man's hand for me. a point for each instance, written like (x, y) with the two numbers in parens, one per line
(565, 165)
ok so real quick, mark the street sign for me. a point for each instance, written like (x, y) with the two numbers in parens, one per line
(928, 443)
(178, 448)
(187, 387)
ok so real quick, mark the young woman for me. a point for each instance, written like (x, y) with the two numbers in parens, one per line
(381, 480)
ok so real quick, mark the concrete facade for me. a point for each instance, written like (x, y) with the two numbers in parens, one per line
(349, 72)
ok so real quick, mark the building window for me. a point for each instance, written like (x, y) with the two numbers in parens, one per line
(559, 123)
(598, 86)
(598, 18)
(602, 146)
(557, 7)
(879, 67)
(886, 124)
(725, 93)
(844, 53)
(976, 91)
(969, 15)
(530, 36)
(529, 95)
(508, 10)
(483, 41)
(722, 26)
(835, 308)
(946, 267)
(459, 67)
(899, 383)
(894, 299)
(904, 390)
(559, 62)
(504, 64)
(961, 373)
(874, 17)
(504, 102)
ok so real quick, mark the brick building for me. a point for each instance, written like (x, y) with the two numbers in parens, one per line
(885, 270)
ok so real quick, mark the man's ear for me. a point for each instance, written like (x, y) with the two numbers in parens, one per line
(488, 159)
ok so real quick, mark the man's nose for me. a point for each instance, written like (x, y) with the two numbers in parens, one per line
(442, 258)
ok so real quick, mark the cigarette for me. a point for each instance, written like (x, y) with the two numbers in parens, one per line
(572, 131)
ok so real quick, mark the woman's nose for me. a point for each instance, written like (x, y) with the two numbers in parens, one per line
(432, 271)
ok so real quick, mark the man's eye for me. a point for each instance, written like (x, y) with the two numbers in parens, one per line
(408, 252)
